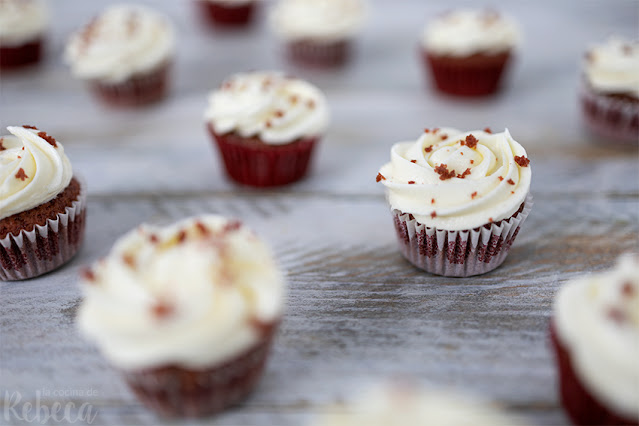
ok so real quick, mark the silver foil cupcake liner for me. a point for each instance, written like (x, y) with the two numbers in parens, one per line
(458, 253)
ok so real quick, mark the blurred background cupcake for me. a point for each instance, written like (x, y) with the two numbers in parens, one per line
(318, 33)
(22, 27)
(467, 51)
(125, 55)
(187, 312)
(228, 13)
(266, 126)
(595, 335)
(610, 91)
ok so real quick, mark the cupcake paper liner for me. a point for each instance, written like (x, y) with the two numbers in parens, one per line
(254, 163)
(458, 253)
(138, 90)
(580, 405)
(174, 391)
(227, 15)
(312, 53)
(613, 118)
(18, 56)
(477, 75)
(45, 247)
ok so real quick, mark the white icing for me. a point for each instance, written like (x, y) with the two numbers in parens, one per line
(214, 284)
(613, 67)
(21, 21)
(465, 32)
(327, 20)
(454, 205)
(597, 321)
(123, 41)
(278, 109)
(32, 171)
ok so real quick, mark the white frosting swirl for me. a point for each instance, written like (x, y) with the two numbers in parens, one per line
(597, 321)
(191, 294)
(613, 67)
(465, 32)
(123, 41)
(278, 109)
(32, 170)
(488, 184)
(21, 21)
(328, 20)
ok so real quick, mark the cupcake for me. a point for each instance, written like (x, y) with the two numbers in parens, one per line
(186, 312)
(457, 199)
(266, 126)
(232, 13)
(406, 405)
(467, 51)
(124, 54)
(609, 94)
(22, 26)
(318, 33)
(595, 335)
(42, 205)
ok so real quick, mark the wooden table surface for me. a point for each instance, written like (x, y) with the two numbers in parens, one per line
(357, 313)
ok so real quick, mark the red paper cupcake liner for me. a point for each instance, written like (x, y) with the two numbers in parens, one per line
(174, 391)
(476, 75)
(319, 54)
(612, 117)
(580, 405)
(252, 162)
(458, 253)
(227, 14)
(138, 90)
(45, 247)
(22, 55)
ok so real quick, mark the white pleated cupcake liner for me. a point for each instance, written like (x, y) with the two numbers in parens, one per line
(612, 118)
(45, 247)
(458, 253)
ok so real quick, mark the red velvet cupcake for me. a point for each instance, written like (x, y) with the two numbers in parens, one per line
(595, 335)
(42, 205)
(458, 199)
(22, 26)
(467, 51)
(125, 55)
(186, 312)
(266, 127)
(228, 13)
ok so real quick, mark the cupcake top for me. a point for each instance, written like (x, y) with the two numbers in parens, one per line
(276, 109)
(123, 41)
(194, 294)
(596, 318)
(33, 169)
(466, 32)
(404, 405)
(454, 181)
(328, 20)
(21, 21)
(613, 67)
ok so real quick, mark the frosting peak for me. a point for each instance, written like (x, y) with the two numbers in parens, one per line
(613, 67)
(33, 170)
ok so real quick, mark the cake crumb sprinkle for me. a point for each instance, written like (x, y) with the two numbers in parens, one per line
(444, 173)
(379, 177)
(522, 161)
(51, 140)
(21, 174)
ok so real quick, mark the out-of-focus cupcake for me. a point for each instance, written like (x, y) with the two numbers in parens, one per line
(467, 51)
(42, 205)
(609, 93)
(266, 126)
(187, 312)
(228, 13)
(457, 199)
(406, 405)
(595, 335)
(22, 26)
(318, 33)
(125, 55)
